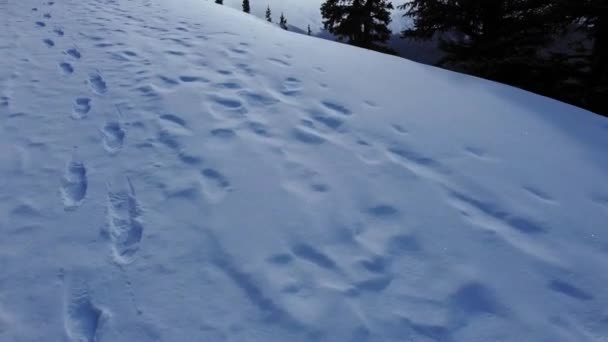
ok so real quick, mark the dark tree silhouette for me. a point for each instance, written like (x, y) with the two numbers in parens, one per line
(309, 31)
(362, 23)
(220, 2)
(283, 22)
(268, 14)
(557, 48)
(588, 65)
(246, 7)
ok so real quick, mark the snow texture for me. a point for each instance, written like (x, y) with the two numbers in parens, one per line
(180, 171)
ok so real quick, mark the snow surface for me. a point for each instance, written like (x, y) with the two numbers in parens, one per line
(179, 171)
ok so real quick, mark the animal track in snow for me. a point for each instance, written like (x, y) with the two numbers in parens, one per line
(124, 223)
(279, 62)
(97, 84)
(307, 137)
(473, 208)
(46, 15)
(417, 163)
(74, 184)
(223, 133)
(82, 318)
(400, 129)
(66, 68)
(539, 194)
(512, 229)
(336, 108)
(311, 254)
(113, 137)
(569, 290)
(382, 211)
(291, 86)
(257, 99)
(192, 79)
(73, 52)
(81, 107)
(331, 122)
(58, 32)
(259, 129)
(215, 185)
(227, 107)
(40, 24)
(48, 42)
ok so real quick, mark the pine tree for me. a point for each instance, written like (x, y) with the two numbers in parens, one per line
(246, 7)
(268, 14)
(309, 31)
(587, 61)
(219, 2)
(283, 22)
(362, 23)
(498, 39)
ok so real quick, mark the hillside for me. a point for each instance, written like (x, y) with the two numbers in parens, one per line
(180, 171)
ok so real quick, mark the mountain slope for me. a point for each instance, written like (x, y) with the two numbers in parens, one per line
(177, 171)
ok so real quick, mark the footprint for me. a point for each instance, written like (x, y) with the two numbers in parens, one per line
(278, 62)
(98, 84)
(227, 107)
(73, 53)
(49, 42)
(569, 290)
(40, 24)
(66, 68)
(291, 86)
(307, 137)
(113, 137)
(259, 129)
(539, 194)
(337, 108)
(257, 99)
(192, 79)
(124, 223)
(328, 121)
(383, 211)
(168, 81)
(223, 133)
(400, 129)
(58, 32)
(228, 85)
(82, 318)
(215, 185)
(74, 185)
(311, 254)
(47, 15)
(172, 127)
(81, 107)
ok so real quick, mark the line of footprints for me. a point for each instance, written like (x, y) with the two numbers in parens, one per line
(124, 226)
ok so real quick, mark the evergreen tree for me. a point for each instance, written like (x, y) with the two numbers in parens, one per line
(283, 22)
(268, 14)
(220, 2)
(498, 39)
(587, 61)
(309, 31)
(362, 23)
(246, 7)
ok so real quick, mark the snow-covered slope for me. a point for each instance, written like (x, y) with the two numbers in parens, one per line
(178, 171)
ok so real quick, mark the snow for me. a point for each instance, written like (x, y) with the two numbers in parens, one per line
(180, 171)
